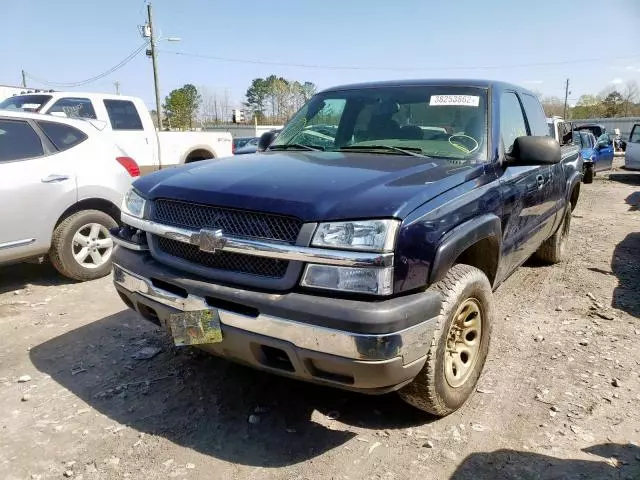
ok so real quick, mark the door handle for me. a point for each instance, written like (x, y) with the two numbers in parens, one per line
(55, 178)
(540, 181)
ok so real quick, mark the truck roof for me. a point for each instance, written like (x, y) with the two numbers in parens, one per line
(94, 95)
(458, 82)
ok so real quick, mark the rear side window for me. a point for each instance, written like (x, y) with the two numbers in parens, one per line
(512, 124)
(18, 141)
(74, 107)
(635, 134)
(535, 114)
(123, 115)
(62, 136)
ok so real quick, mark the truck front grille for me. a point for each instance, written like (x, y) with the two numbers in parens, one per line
(247, 264)
(230, 221)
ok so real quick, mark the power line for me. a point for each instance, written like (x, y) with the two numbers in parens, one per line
(392, 69)
(121, 64)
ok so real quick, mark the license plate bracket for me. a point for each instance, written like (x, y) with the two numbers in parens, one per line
(197, 327)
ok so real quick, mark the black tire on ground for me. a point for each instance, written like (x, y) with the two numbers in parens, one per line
(61, 253)
(588, 175)
(431, 390)
(554, 249)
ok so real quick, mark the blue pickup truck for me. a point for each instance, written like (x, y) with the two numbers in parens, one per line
(367, 262)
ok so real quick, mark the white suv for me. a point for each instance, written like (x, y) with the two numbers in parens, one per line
(61, 185)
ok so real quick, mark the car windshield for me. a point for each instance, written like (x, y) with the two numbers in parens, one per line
(434, 121)
(26, 103)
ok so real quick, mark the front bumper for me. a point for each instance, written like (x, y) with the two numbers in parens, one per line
(369, 346)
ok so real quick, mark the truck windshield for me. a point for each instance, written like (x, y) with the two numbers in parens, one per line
(25, 103)
(434, 121)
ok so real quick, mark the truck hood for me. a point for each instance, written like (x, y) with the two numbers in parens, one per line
(313, 186)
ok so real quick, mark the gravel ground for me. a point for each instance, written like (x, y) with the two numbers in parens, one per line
(91, 391)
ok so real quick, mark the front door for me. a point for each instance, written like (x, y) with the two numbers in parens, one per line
(604, 146)
(528, 194)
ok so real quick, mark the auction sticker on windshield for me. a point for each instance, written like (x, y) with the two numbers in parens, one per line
(455, 100)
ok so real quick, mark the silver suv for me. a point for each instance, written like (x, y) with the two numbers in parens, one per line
(61, 185)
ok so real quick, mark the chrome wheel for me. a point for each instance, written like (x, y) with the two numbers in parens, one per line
(463, 343)
(91, 245)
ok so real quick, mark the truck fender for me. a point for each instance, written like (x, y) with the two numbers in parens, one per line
(460, 238)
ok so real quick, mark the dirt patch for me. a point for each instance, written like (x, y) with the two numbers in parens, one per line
(109, 397)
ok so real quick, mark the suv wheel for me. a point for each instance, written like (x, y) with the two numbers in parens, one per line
(553, 250)
(81, 247)
(459, 346)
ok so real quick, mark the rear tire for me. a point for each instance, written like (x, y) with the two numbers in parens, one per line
(554, 249)
(81, 246)
(459, 346)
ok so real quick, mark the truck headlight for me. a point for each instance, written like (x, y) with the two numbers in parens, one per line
(364, 235)
(378, 281)
(133, 204)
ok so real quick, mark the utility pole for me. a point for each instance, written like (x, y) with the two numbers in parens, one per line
(24, 79)
(117, 85)
(154, 62)
(566, 97)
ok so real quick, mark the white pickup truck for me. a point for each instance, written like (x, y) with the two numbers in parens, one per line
(129, 123)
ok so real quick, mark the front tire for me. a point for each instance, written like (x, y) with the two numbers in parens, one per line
(81, 246)
(459, 346)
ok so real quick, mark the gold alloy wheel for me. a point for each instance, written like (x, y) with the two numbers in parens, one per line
(463, 343)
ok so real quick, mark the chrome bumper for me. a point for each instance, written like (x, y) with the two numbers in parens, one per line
(411, 344)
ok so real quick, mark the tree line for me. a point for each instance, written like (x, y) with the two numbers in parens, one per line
(268, 100)
(276, 99)
(611, 102)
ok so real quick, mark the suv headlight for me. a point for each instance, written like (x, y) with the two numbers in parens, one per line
(363, 235)
(133, 204)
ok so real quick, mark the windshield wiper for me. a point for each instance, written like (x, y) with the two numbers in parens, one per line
(299, 146)
(413, 151)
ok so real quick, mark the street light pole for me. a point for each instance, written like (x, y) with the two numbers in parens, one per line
(154, 62)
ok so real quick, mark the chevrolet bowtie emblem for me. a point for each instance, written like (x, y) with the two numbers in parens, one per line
(211, 240)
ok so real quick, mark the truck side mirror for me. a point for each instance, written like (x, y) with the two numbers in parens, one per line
(532, 150)
(266, 139)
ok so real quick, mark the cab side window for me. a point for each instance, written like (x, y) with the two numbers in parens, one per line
(123, 115)
(512, 123)
(74, 107)
(535, 115)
